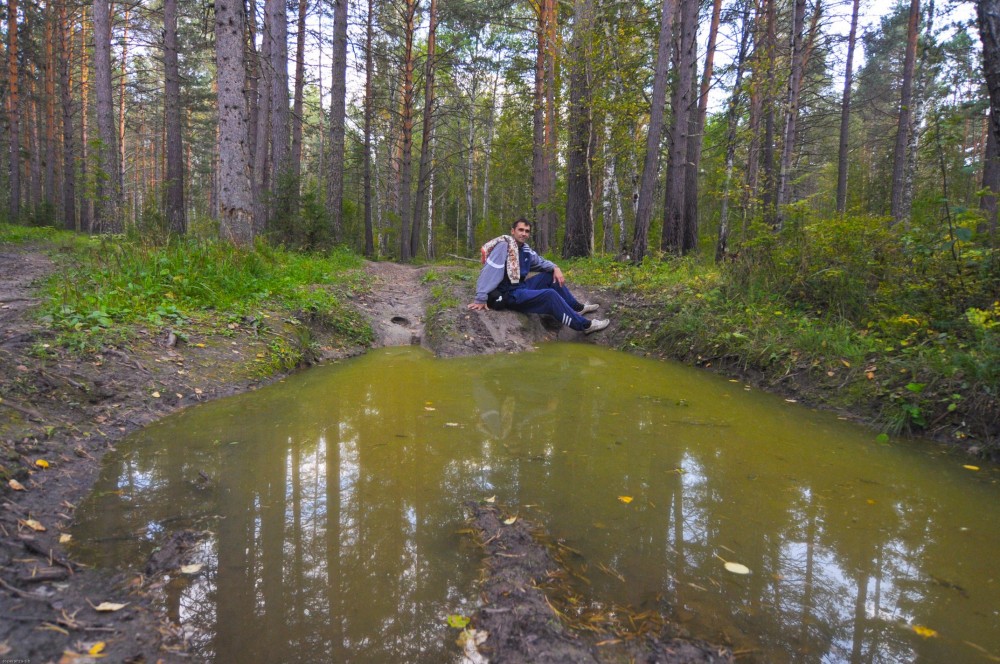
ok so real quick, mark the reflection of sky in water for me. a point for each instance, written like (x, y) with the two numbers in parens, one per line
(334, 499)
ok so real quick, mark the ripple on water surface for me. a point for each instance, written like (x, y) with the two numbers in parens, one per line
(334, 499)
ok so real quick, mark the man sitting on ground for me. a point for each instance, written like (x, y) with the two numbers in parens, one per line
(504, 283)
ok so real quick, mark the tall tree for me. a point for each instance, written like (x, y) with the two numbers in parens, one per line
(280, 126)
(672, 238)
(899, 159)
(66, 99)
(988, 19)
(579, 237)
(654, 135)
(427, 135)
(107, 218)
(338, 93)
(122, 87)
(298, 102)
(732, 124)
(13, 112)
(801, 48)
(697, 139)
(845, 112)
(369, 112)
(235, 203)
(406, 136)
(172, 119)
(539, 156)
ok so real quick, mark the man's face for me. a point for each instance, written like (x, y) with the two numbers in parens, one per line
(521, 232)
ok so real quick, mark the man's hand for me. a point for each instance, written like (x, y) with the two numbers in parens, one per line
(478, 306)
(557, 276)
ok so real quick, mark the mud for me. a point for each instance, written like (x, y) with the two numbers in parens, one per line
(524, 625)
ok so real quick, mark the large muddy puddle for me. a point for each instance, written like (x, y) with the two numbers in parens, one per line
(333, 502)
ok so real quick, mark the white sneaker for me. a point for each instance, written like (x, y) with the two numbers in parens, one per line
(590, 308)
(597, 325)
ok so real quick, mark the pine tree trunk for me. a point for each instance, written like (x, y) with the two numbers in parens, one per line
(235, 202)
(547, 222)
(988, 21)
(732, 122)
(263, 164)
(66, 98)
(845, 112)
(578, 240)
(672, 237)
(50, 113)
(280, 127)
(369, 110)
(769, 101)
(654, 135)
(697, 136)
(406, 137)
(338, 92)
(121, 103)
(538, 153)
(172, 117)
(87, 202)
(297, 103)
(107, 216)
(424, 173)
(13, 114)
(903, 126)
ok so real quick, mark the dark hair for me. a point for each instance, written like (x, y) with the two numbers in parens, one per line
(520, 220)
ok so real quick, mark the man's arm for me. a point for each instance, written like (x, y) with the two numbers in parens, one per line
(491, 275)
(538, 264)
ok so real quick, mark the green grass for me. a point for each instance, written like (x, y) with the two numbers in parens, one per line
(104, 285)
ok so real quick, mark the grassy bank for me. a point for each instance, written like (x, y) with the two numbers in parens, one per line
(103, 289)
(846, 313)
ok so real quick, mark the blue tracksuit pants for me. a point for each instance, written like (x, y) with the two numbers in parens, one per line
(541, 295)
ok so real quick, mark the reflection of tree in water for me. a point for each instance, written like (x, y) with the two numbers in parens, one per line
(334, 516)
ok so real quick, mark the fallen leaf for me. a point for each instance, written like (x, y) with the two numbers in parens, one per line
(452, 424)
(429, 408)
(156, 395)
(792, 400)
(65, 538)
(458, 621)
(34, 525)
(4, 648)
(109, 606)
(625, 499)
(42, 463)
(870, 501)
(15, 485)
(491, 499)
(736, 568)
(191, 569)
(925, 632)
(97, 648)
(511, 520)
(971, 467)
(845, 362)
(870, 375)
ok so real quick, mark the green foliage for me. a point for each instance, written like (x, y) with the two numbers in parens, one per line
(113, 282)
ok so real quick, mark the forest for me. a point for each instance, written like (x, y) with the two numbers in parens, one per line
(829, 165)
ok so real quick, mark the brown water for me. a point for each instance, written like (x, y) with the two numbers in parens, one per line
(334, 497)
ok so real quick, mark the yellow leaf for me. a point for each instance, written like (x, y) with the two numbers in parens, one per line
(736, 568)
(845, 362)
(625, 499)
(925, 632)
(200, 345)
(870, 375)
(97, 648)
(511, 520)
(42, 463)
(109, 606)
(429, 408)
(971, 467)
(191, 569)
(491, 499)
(870, 501)
(34, 525)
(15, 485)
(156, 395)
(65, 538)
(452, 424)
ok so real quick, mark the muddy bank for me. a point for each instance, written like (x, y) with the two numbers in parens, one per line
(524, 624)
